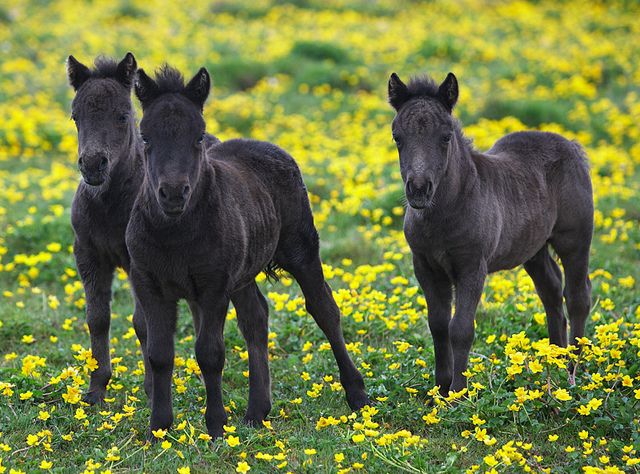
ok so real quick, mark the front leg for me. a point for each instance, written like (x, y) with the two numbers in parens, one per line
(437, 292)
(469, 285)
(212, 309)
(96, 274)
(140, 326)
(160, 316)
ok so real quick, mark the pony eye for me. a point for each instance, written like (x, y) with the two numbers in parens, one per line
(201, 139)
(123, 118)
(397, 139)
(144, 140)
(446, 138)
(74, 117)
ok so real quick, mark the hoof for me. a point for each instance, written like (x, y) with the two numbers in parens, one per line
(358, 400)
(253, 421)
(94, 398)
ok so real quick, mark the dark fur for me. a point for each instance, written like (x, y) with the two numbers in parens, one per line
(206, 222)
(100, 211)
(473, 213)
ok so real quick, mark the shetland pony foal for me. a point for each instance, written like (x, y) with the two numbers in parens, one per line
(110, 160)
(205, 223)
(471, 214)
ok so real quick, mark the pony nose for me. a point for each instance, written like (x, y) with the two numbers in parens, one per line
(174, 194)
(419, 187)
(94, 163)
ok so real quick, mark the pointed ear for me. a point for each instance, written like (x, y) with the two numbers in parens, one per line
(448, 92)
(146, 88)
(198, 88)
(398, 92)
(77, 72)
(126, 70)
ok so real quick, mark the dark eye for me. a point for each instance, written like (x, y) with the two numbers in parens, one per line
(397, 139)
(74, 117)
(144, 140)
(446, 138)
(201, 139)
(123, 118)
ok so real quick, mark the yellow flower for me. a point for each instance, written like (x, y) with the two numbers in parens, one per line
(166, 444)
(358, 438)
(243, 467)
(310, 452)
(26, 395)
(159, 433)
(80, 414)
(184, 470)
(562, 395)
(28, 339)
(338, 457)
(553, 437)
(233, 441)
(46, 465)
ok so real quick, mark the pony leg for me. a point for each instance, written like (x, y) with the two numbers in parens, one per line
(253, 320)
(140, 326)
(210, 356)
(437, 291)
(547, 278)
(321, 305)
(96, 276)
(577, 289)
(468, 287)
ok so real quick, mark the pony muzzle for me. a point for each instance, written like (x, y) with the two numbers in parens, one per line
(173, 198)
(94, 168)
(419, 193)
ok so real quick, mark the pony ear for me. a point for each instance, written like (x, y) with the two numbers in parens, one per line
(398, 92)
(126, 70)
(197, 90)
(448, 91)
(77, 73)
(146, 88)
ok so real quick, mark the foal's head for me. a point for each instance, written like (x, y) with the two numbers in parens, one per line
(103, 113)
(424, 131)
(173, 131)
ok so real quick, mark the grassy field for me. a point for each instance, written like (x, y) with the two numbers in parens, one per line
(311, 76)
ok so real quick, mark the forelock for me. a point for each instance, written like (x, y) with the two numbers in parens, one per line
(422, 86)
(169, 79)
(104, 68)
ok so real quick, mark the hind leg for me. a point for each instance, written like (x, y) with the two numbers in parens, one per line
(547, 278)
(300, 257)
(253, 320)
(574, 252)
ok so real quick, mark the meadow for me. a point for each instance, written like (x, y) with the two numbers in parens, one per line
(311, 76)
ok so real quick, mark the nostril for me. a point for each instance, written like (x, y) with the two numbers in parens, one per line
(429, 187)
(103, 164)
(186, 190)
(409, 187)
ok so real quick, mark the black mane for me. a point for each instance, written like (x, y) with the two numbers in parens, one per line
(169, 79)
(422, 86)
(104, 68)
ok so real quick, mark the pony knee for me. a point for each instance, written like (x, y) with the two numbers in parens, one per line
(461, 333)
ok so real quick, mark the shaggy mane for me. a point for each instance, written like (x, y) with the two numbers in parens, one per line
(104, 68)
(422, 86)
(169, 79)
